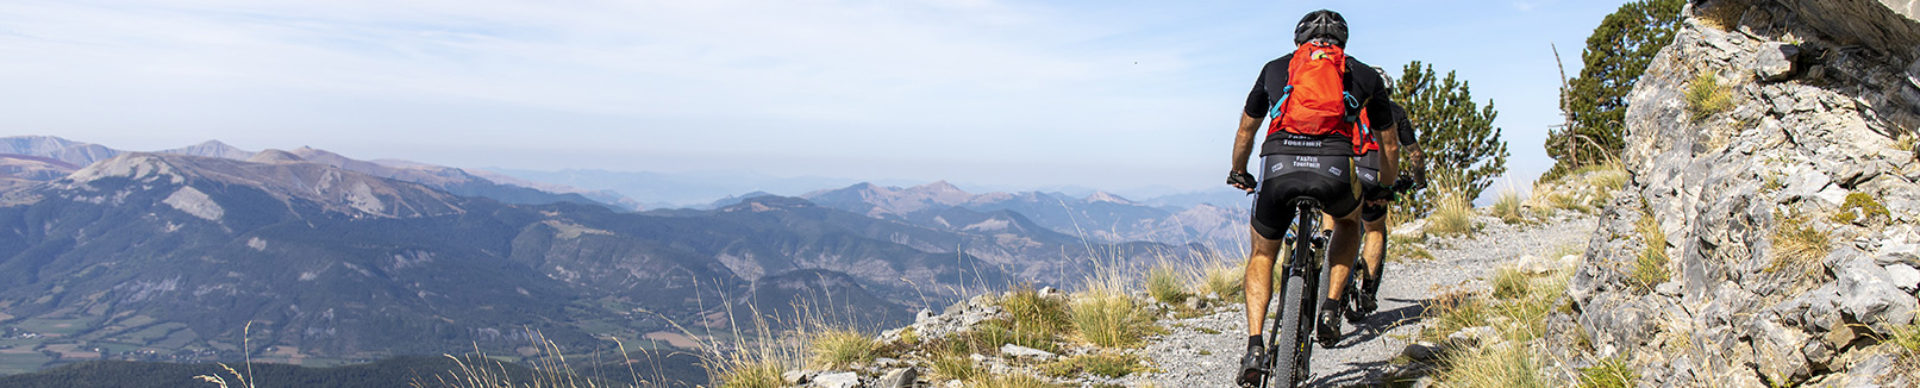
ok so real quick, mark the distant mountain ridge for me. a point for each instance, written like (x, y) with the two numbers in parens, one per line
(1100, 216)
(453, 180)
(151, 256)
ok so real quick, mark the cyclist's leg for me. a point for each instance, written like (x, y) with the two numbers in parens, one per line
(1346, 245)
(1375, 250)
(1259, 280)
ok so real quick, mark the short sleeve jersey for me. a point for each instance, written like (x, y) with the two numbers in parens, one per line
(1366, 86)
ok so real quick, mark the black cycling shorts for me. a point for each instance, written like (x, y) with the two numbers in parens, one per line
(1371, 187)
(1329, 179)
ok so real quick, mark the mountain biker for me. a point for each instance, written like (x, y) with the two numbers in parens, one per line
(1296, 166)
(1374, 213)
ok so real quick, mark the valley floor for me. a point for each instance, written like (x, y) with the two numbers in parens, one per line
(1205, 351)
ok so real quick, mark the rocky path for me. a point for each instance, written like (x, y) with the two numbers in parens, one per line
(1205, 351)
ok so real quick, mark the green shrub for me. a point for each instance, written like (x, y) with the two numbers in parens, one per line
(1617, 53)
(1860, 207)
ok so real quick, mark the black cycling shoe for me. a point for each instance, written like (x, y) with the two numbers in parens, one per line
(1364, 302)
(1328, 330)
(1254, 366)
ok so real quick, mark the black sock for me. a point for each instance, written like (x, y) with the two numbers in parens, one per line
(1255, 342)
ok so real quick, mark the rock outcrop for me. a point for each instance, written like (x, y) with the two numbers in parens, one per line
(1781, 218)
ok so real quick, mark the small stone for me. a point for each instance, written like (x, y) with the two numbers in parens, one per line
(1421, 351)
(1903, 276)
(796, 377)
(1017, 351)
(1049, 292)
(924, 315)
(1668, 288)
(1472, 336)
(1194, 303)
(837, 380)
(1776, 62)
(897, 378)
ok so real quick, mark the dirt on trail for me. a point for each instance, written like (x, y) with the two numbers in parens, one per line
(1205, 351)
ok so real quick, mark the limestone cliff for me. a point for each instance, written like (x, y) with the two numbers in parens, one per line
(1774, 176)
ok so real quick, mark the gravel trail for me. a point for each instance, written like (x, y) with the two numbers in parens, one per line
(1205, 351)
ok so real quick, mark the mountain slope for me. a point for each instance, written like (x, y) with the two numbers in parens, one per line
(1100, 216)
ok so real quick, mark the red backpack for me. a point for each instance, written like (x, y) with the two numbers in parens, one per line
(1316, 101)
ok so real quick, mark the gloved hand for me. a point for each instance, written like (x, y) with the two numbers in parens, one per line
(1242, 180)
(1405, 184)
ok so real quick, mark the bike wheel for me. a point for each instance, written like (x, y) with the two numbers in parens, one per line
(1291, 345)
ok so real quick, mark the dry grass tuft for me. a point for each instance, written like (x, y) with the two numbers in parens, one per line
(838, 348)
(1225, 280)
(1650, 267)
(1452, 212)
(1609, 373)
(1106, 365)
(1707, 97)
(1504, 365)
(1508, 207)
(1104, 315)
(1163, 283)
(1798, 245)
(1012, 381)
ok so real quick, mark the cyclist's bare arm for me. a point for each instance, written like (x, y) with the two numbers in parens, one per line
(1390, 161)
(1243, 145)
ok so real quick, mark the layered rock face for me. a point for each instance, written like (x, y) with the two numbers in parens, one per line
(1787, 209)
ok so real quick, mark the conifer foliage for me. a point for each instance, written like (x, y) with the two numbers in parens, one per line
(1462, 145)
(1595, 103)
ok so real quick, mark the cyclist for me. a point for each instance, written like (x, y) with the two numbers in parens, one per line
(1374, 212)
(1293, 166)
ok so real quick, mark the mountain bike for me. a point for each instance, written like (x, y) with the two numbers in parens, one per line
(1291, 341)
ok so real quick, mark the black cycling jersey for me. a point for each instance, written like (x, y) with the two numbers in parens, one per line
(1364, 83)
(1406, 124)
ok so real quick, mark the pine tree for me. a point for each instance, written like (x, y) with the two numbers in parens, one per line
(1595, 103)
(1458, 135)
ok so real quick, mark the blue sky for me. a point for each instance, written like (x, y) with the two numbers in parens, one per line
(1135, 96)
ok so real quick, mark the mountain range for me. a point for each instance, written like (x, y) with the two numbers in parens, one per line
(317, 258)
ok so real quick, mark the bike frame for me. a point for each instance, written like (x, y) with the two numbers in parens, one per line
(1305, 262)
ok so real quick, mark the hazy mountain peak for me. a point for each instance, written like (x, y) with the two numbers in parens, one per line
(212, 148)
(1102, 196)
(134, 166)
(275, 156)
(68, 151)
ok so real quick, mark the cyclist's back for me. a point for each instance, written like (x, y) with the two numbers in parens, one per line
(1320, 102)
(1321, 167)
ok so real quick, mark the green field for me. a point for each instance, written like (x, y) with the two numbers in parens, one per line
(11, 363)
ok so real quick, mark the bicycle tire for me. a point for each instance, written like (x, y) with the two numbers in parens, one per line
(1287, 372)
(1293, 333)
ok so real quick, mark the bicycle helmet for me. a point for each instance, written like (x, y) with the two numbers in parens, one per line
(1322, 24)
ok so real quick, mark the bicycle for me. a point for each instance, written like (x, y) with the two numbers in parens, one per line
(1300, 298)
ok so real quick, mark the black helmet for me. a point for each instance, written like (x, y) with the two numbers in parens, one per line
(1321, 24)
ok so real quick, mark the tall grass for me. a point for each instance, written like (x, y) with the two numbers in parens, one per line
(1164, 285)
(839, 347)
(1452, 212)
(1650, 267)
(1505, 365)
(1225, 280)
(1104, 315)
(1508, 207)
